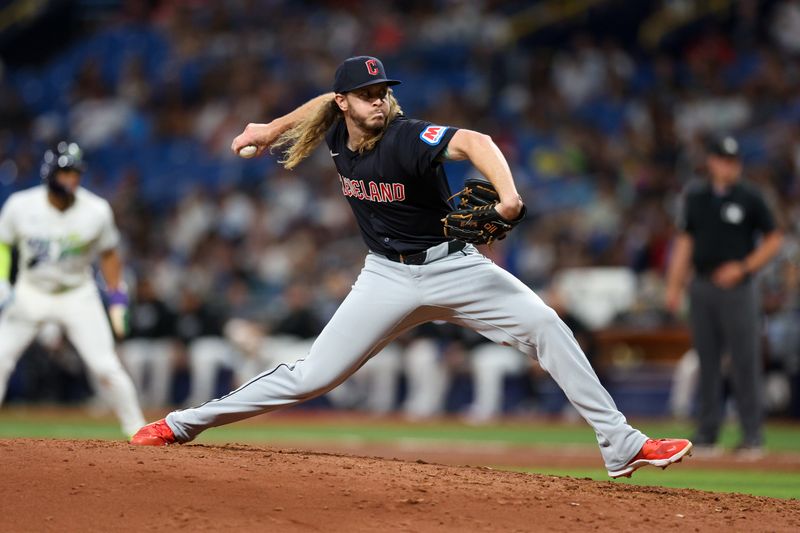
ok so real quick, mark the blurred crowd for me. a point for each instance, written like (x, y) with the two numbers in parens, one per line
(601, 132)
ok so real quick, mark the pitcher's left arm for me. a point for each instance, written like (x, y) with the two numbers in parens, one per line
(485, 155)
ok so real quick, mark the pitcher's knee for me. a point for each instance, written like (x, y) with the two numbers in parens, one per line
(542, 321)
(313, 383)
(311, 388)
(535, 327)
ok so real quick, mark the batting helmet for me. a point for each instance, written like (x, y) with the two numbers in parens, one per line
(65, 156)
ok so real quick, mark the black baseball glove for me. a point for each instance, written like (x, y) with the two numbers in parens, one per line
(476, 220)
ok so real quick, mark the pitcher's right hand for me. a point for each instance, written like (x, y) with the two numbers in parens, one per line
(259, 135)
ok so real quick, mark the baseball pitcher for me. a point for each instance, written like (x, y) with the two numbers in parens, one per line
(422, 265)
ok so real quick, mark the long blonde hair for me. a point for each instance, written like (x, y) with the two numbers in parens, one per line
(298, 142)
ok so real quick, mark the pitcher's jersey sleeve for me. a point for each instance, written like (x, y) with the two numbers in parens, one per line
(7, 231)
(109, 234)
(418, 143)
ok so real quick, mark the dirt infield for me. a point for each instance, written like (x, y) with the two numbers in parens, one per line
(61, 485)
(537, 456)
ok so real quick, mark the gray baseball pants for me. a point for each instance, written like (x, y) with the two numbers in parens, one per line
(727, 321)
(389, 298)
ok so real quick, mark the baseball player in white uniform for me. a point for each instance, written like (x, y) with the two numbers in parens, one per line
(59, 229)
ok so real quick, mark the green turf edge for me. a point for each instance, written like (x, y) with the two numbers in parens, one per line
(758, 483)
(779, 437)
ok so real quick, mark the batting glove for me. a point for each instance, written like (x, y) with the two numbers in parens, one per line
(118, 312)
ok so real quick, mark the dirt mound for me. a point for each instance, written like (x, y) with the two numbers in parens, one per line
(58, 485)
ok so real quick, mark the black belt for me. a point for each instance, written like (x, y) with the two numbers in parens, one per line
(419, 257)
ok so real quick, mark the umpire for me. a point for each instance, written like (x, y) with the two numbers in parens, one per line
(720, 224)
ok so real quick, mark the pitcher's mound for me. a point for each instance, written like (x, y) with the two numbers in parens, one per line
(66, 485)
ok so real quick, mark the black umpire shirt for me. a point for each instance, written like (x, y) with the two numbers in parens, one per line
(398, 190)
(724, 227)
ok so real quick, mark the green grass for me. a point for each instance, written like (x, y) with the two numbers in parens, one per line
(781, 438)
(59, 429)
(774, 484)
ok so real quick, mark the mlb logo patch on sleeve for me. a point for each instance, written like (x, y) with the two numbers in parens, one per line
(433, 134)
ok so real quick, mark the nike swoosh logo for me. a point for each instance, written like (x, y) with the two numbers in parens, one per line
(334, 154)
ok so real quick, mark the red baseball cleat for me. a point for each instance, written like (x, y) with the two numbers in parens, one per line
(660, 452)
(155, 434)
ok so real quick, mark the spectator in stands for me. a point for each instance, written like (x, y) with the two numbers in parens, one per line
(296, 326)
(781, 305)
(595, 130)
(199, 328)
(299, 318)
(423, 356)
(490, 364)
(149, 351)
(427, 370)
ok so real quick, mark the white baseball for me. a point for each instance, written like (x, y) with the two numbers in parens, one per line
(248, 151)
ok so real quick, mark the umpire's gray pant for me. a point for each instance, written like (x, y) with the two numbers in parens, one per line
(727, 321)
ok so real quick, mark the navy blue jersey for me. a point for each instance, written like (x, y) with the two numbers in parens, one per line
(398, 190)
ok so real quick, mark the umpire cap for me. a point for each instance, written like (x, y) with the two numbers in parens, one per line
(360, 71)
(723, 146)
